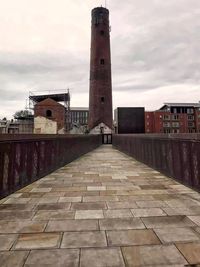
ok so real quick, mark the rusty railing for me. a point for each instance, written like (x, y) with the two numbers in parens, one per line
(26, 158)
(177, 156)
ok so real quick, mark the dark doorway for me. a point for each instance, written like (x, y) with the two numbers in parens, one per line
(106, 139)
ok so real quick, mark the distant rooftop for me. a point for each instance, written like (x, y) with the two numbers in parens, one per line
(56, 97)
(196, 105)
(79, 108)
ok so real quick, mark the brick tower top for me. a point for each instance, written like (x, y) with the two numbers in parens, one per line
(100, 105)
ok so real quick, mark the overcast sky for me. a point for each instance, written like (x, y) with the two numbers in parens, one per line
(45, 45)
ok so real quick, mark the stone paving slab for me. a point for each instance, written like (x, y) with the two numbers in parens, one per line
(53, 257)
(152, 256)
(13, 258)
(191, 251)
(103, 209)
(102, 257)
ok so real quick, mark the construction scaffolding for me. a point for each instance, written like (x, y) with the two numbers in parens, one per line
(62, 96)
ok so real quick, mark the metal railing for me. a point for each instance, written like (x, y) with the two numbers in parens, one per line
(177, 156)
(26, 158)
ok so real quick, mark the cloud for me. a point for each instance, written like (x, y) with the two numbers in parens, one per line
(46, 45)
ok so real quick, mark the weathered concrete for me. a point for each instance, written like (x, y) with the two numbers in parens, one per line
(104, 209)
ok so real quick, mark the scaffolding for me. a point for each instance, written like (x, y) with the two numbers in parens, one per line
(61, 95)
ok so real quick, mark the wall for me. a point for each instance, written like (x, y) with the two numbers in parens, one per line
(58, 112)
(44, 126)
(177, 156)
(130, 120)
(27, 158)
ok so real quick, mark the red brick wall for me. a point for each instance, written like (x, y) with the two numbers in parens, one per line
(58, 111)
(154, 122)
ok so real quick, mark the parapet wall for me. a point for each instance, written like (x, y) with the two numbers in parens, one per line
(27, 158)
(177, 156)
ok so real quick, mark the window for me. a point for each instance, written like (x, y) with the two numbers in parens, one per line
(166, 124)
(102, 61)
(190, 111)
(190, 117)
(191, 124)
(175, 117)
(167, 130)
(175, 124)
(166, 117)
(102, 99)
(48, 113)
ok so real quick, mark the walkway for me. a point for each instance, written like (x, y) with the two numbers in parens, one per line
(104, 209)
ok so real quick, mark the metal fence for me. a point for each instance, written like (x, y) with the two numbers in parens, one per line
(26, 158)
(177, 156)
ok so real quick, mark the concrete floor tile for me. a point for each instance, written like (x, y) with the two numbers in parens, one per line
(197, 229)
(89, 206)
(53, 206)
(121, 213)
(158, 255)
(16, 215)
(69, 199)
(46, 200)
(178, 203)
(121, 224)
(96, 188)
(21, 227)
(132, 237)
(195, 219)
(109, 257)
(53, 257)
(41, 190)
(191, 251)
(121, 205)
(17, 201)
(37, 241)
(13, 258)
(44, 215)
(148, 212)
(84, 239)
(89, 214)
(99, 198)
(171, 235)
(6, 241)
(167, 221)
(8, 207)
(151, 204)
(72, 225)
(183, 211)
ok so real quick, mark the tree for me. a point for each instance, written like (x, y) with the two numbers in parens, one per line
(22, 114)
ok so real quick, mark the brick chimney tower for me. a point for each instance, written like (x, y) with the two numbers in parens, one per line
(100, 103)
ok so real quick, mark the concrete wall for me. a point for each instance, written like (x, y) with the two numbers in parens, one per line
(43, 125)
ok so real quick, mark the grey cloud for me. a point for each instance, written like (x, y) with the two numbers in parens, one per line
(155, 44)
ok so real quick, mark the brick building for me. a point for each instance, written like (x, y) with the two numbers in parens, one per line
(79, 115)
(174, 118)
(49, 117)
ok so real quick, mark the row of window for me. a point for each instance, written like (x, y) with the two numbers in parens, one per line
(174, 117)
(177, 124)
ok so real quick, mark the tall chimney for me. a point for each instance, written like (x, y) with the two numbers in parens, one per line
(100, 103)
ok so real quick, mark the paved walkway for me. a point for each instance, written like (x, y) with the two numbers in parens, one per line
(104, 209)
